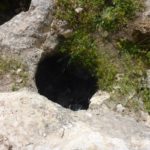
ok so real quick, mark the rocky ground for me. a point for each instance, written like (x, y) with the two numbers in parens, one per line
(29, 121)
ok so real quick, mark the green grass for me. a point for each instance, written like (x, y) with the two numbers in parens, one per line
(85, 51)
(97, 13)
(146, 99)
(116, 16)
(87, 19)
(81, 45)
(10, 66)
(134, 49)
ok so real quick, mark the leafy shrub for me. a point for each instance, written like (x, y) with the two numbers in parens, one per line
(146, 99)
(133, 71)
(10, 66)
(135, 49)
(105, 72)
(81, 46)
(117, 15)
(127, 46)
(97, 13)
(83, 51)
(87, 19)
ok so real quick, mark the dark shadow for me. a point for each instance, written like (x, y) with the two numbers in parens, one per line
(68, 85)
(10, 8)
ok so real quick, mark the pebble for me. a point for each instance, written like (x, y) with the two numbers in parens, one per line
(79, 10)
(120, 108)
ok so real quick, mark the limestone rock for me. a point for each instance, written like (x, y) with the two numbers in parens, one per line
(120, 108)
(98, 99)
(144, 116)
(61, 28)
(26, 33)
(29, 121)
(79, 10)
(148, 79)
(141, 31)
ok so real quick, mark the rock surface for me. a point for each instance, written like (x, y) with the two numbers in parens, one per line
(148, 78)
(28, 34)
(98, 99)
(29, 121)
(141, 32)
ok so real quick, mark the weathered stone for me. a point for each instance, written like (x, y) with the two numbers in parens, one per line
(98, 99)
(26, 35)
(120, 108)
(144, 116)
(67, 33)
(148, 79)
(79, 10)
(30, 121)
(61, 28)
(141, 33)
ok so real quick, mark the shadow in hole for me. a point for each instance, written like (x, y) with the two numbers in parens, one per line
(10, 8)
(68, 85)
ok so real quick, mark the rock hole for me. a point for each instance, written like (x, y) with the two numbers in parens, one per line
(10, 8)
(68, 85)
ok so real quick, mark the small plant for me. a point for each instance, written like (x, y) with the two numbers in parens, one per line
(81, 49)
(16, 71)
(87, 19)
(134, 49)
(126, 46)
(97, 13)
(83, 52)
(146, 98)
(82, 46)
(133, 71)
(106, 72)
(130, 90)
(118, 15)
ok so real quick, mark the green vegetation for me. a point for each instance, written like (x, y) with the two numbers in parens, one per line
(128, 85)
(96, 13)
(81, 46)
(135, 62)
(133, 71)
(83, 51)
(87, 19)
(146, 99)
(134, 49)
(109, 17)
(115, 16)
(15, 70)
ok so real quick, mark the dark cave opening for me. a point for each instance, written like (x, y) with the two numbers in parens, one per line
(10, 8)
(71, 86)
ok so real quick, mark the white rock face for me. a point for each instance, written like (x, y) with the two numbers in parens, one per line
(27, 34)
(29, 121)
(24, 30)
(146, 13)
(79, 10)
(98, 99)
(148, 78)
(120, 108)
